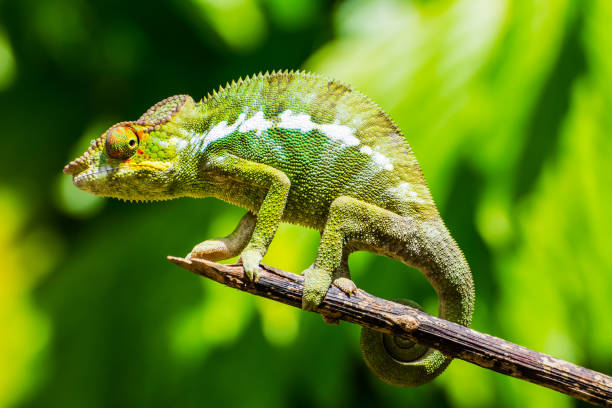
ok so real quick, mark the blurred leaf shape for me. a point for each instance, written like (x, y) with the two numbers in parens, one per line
(8, 68)
(212, 323)
(26, 256)
(292, 15)
(123, 45)
(76, 202)
(562, 267)
(468, 386)
(239, 23)
(62, 28)
(219, 320)
(280, 323)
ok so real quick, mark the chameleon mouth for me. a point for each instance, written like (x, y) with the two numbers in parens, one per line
(92, 175)
(83, 178)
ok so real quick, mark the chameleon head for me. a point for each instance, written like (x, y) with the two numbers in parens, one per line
(135, 160)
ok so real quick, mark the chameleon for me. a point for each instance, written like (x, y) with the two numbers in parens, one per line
(296, 147)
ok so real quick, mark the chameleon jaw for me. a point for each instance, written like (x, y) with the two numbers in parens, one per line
(99, 173)
(124, 181)
(82, 178)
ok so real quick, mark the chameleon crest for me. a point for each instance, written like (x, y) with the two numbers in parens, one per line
(299, 148)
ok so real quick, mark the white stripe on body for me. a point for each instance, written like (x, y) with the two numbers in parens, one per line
(257, 123)
(288, 120)
(303, 122)
(406, 190)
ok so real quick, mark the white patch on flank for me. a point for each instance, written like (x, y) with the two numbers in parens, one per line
(340, 132)
(366, 150)
(287, 120)
(405, 189)
(220, 130)
(257, 123)
(301, 121)
(382, 160)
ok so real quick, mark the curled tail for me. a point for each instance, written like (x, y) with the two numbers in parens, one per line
(433, 251)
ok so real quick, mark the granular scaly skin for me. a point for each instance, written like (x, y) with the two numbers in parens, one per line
(298, 148)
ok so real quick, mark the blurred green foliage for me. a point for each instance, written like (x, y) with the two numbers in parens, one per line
(507, 104)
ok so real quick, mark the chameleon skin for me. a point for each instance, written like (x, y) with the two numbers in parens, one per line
(299, 148)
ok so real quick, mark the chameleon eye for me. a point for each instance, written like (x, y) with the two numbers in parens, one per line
(121, 142)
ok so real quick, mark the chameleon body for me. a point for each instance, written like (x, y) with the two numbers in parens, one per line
(299, 148)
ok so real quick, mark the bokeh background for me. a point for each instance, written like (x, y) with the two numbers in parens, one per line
(507, 105)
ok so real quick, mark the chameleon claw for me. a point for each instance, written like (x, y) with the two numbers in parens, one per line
(250, 263)
(211, 250)
(346, 285)
(316, 284)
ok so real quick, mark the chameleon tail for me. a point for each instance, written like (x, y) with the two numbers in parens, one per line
(398, 361)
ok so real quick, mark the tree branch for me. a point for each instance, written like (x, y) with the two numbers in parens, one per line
(452, 339)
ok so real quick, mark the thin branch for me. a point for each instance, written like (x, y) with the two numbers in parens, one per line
(452, 339)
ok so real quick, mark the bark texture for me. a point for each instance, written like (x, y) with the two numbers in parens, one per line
(450, 338)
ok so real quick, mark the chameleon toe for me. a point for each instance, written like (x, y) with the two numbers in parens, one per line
(316, 284)
(250, 264)
(346, 285)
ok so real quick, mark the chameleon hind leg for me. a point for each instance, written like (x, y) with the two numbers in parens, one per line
(228, 247)
(341, 278)
(366, 226)
(349, 219)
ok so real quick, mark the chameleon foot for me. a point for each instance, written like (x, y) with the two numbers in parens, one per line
(211, 250)
(250, 262)
(346, 285)
(316, 283)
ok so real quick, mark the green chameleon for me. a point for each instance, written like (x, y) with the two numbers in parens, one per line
(299, 148)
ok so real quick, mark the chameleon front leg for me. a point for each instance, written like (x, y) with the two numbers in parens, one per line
(228, 247)
(270, 211)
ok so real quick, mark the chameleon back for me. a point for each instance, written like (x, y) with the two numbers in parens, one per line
(331, 141)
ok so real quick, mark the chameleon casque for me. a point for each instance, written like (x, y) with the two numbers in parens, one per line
(299, 148)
